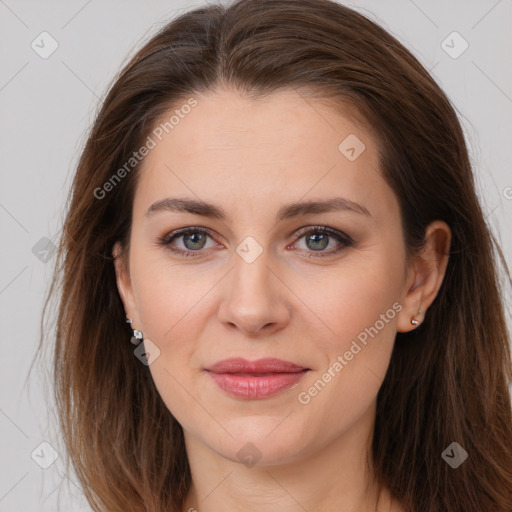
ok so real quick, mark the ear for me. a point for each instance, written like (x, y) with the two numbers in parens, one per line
(124, 285)
(425, 275)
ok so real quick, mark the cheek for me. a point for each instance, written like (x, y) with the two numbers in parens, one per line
(359, 305)
(171, 305)
(169, 297)
(340, 392)
(355, 297)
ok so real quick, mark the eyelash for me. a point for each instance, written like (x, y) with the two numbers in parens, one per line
(345, 240)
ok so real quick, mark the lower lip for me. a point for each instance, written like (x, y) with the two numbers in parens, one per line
(251, 387)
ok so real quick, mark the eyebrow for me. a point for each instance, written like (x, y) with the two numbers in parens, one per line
(179, 205)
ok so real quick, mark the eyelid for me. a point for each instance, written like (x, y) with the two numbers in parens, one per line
(344, 239)
(166, 239)
(326, 230)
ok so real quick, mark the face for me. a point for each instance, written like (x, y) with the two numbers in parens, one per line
(322, 289)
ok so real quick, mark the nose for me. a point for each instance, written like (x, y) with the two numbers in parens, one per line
(255, 299)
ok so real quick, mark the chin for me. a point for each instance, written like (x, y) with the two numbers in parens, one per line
(258, 445)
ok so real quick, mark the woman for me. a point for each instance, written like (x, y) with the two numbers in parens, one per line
(275, 205)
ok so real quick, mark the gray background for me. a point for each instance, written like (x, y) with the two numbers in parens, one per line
(46, 107)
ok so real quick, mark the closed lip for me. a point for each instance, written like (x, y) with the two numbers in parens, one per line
(260, 366)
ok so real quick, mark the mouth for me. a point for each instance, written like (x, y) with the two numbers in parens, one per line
(260, 366)
(257, 379)
(259, 374)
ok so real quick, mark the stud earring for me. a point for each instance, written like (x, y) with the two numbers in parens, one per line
(137, 337)
(413, 319)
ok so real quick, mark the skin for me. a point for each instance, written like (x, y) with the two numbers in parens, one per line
(251, 157)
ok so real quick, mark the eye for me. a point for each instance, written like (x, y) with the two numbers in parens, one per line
(193, 240)
(317, 239)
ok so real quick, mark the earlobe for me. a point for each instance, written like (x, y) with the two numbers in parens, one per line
(427, 271)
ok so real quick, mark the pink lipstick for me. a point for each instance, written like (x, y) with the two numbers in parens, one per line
(255, 379)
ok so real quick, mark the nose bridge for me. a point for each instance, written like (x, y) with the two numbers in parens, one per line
(251, 271)
(254, 298)
(250, 285)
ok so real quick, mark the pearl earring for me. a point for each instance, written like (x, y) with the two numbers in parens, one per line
(414, 321)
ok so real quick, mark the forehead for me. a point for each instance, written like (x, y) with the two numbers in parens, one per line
(229, 148)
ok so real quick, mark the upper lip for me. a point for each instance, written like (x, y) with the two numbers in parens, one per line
(266, 365)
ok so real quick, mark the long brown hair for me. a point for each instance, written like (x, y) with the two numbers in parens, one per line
(447, 381)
